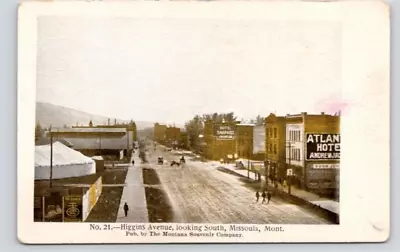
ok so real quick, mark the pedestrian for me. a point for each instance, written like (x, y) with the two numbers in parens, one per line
(263, 195)
(257, 196)
(126, 209)
(269, 196)
(133, 162)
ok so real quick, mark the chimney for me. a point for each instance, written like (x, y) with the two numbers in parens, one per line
(115, 121)
(108, 121)
(304, 113)
(322, 113)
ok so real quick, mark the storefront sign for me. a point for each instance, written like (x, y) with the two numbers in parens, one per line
(322, 177)
(323, 146)
(73, 208)
(224, 132)
(326, 166)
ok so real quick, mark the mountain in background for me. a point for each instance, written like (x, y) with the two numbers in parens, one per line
(49, 114)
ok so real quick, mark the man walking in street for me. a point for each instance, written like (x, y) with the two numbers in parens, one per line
(268, 196)
(263, 195)
(126, 209)
(257, 196)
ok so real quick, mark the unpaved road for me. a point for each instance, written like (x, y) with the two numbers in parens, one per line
(199, 193)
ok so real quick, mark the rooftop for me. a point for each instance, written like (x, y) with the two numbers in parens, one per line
(90, 130)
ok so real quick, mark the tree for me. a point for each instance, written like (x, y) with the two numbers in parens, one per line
(194, 128)
(259, 120)
(38, 132)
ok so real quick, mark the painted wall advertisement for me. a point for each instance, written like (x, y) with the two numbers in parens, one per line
(73, 208)
(323, 176)
(224, 132)
(323, 146)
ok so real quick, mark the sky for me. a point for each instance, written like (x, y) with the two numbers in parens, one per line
(169, 70)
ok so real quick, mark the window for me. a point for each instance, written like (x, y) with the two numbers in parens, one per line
(274, 148)
(274, 132)
(270, 147)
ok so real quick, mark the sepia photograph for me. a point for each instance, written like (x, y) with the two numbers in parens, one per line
(208, 126)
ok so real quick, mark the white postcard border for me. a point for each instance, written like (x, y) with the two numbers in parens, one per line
(365, 157)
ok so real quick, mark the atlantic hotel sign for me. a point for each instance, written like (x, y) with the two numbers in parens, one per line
(323, 146)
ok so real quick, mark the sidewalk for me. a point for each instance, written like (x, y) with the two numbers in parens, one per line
(134, 195)
(314, 199)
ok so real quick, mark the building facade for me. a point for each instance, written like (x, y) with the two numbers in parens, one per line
(172, 136)
(219, 140)
(160, 132)
(244, 141)
(275, 146)
(313, 151)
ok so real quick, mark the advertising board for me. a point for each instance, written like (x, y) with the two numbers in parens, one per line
(73, 208)
(224, 132)
(99, 188)
(322, 177)
(322, 146)
(92, 196)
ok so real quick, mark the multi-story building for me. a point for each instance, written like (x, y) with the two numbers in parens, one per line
(313, 151)
(172, 135)
(219, 140)
(160, 132)
(275, 146)
(244, 140)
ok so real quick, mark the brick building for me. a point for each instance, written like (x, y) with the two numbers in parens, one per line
(172, 135)
(160, 132)
(275, 146)
(244, 140)
(313, 151)
(219, 139)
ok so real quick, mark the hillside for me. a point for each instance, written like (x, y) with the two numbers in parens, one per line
(59, 116)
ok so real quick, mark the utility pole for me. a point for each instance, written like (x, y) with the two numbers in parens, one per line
(266, 165)
(127, 142)
(289, 176)
(51, 158)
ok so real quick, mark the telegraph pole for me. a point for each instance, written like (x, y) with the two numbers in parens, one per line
(289, 176)
(51, 158)
(266, 165)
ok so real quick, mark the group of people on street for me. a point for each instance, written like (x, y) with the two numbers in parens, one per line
(264, 195)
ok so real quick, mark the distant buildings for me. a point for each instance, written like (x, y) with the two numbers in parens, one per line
(168, 135)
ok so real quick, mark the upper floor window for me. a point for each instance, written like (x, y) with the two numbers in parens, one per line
(275, 132)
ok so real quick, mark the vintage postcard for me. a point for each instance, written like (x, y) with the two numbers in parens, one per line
(199, 122)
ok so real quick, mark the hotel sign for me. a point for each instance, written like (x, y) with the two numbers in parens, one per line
(322, 146)
(224, 132)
